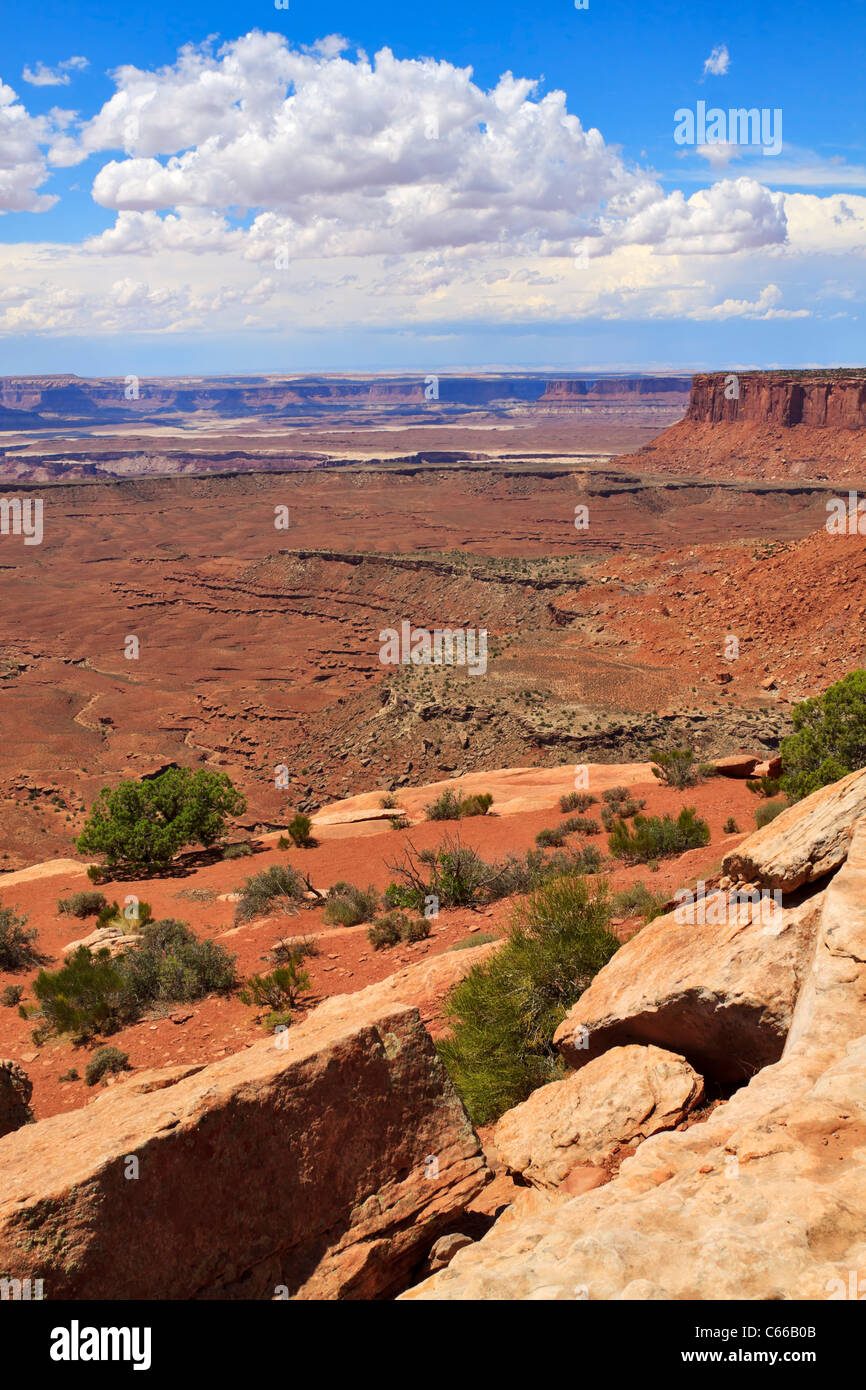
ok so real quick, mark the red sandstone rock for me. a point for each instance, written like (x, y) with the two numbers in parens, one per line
(737, 765)
(325, 1170)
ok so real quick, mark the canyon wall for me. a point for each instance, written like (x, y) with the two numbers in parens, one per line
(809, 424)
(26, 402)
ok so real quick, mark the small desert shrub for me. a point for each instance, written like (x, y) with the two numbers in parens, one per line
(277, 889)
(614, 795)
(84, 997)
(295, 949)
(580, 825)
(505, 1012)
(242, 850)
(397, 926)
(707, 769)
(347, 905)
(171, 965)
(467, 942)
(82, 905)
(387, 802)
(300, 829)
(768, 811)
(104, 1062)
(279, 991)
(638, 901)
(764, 785)
(398, 822)
(284, 842)
(675, 767)
(198, 895)
(10, 997)
(730, 827)
(71, 1075)
(448, 806)
(576, 801)
(550, 839)
(657, 837)
(445, 807)
(17, 951)
(96, 874)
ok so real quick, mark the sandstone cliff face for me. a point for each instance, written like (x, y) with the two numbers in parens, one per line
(325, 1170)
(820, 401)
(765, 425)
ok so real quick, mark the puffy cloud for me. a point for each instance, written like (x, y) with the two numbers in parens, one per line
(22, 164)
(764, 307)
(718, 62)
(731, 216)
(42, 76)
(340, 157)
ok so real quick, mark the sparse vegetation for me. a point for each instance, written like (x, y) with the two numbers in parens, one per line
(505, 1012)
(300, 830)
(550, 838)
(279, 991)
(580, 825)
(768, 811)
(395, 926)
(730, 827)
(142, 825)
(106, 1061)
(576, 801)
(658, 837)
(448, 806)
(675, 767)
(277, 889)
(93, 994)
(17, 951)
(242, 850)
(483, 938)
(387, 802)
(10, 997)
(638, 901)
(829, 738)
(86, 904)
(348, 906)
(764, 785)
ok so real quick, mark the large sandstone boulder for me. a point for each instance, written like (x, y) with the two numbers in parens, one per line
(737, 765)
(721, 991)
(322, 1163)
(804, 843)
(16, 1088)
(765, 1200)
(614, 1102)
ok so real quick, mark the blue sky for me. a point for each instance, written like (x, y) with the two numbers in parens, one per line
(284, 199)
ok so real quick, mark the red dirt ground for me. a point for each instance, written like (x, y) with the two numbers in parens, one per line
(346, 961)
